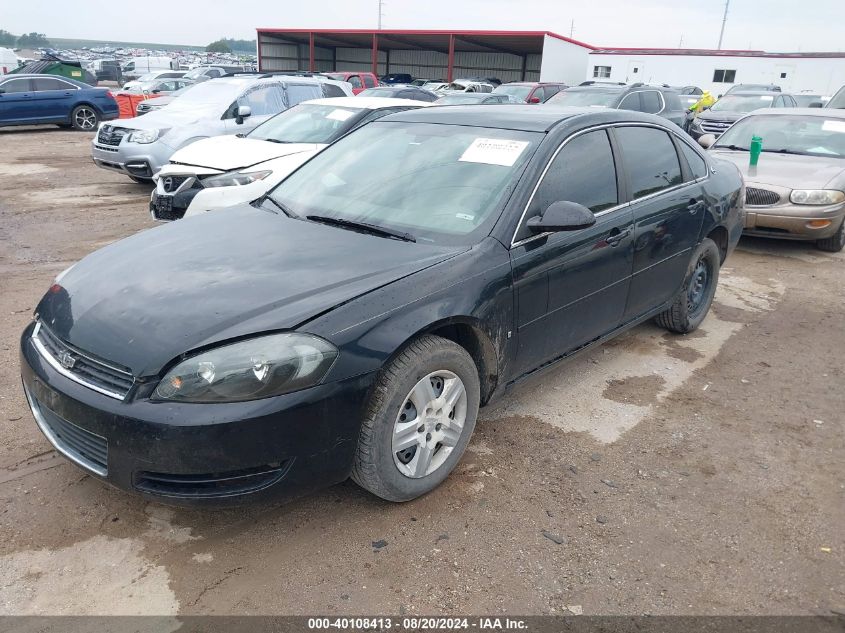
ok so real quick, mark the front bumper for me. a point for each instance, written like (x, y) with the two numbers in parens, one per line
(134, 159)
(200, 454)
(789, 221)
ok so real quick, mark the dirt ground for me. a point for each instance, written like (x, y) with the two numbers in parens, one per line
(657, 474)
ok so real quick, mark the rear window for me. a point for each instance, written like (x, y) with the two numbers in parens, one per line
(588, 97)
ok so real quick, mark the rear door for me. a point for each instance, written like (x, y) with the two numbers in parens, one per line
(571, 286)
(16, 101)
(667, 202)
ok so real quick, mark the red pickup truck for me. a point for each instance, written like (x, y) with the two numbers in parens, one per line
(359, 80)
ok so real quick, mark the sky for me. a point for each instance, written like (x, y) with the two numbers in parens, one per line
(773, 25)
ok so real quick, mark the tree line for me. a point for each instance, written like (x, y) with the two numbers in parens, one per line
(27, 40)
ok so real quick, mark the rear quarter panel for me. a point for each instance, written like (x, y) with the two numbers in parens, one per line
(725, 195)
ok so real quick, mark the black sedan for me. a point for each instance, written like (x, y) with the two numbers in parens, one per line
(353, 321)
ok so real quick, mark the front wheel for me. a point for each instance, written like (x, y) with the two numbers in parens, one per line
(418, 421)
(835, 242)
(693, 302)
(84, 118)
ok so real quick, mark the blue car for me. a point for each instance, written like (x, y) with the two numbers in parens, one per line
(39, 99)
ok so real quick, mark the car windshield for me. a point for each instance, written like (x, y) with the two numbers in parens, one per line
(336, 76)
(462, 99)
(439, 183)
(147, 77)
(804, 101)
(379, 92)
(838, 100)
(213, 92)
(743, 103)
(789, 134)
(196, 72)
(521, 92)
(590, 97)
(307, 123)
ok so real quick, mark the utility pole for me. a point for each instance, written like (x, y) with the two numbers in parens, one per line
(681, 43)
(571, 28)
(380, 12)
(724, 20)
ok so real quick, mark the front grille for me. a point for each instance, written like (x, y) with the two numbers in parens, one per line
(760, 197)
(715, 127)
(80, 367)
(213, 484)
(81, 446)
(111, 135)
(172, 183)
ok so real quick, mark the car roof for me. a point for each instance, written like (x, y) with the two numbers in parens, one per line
(827, 113)
(756, 93)
(367, 103)
(75, 82)
(526, 118)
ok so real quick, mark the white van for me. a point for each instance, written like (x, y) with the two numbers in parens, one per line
(8, 60)
(138, 66)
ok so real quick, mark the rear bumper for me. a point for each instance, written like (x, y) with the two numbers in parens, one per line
(192, 454)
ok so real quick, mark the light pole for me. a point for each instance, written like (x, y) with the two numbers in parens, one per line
(724, 19)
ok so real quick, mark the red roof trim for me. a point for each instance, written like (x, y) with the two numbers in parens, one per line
(456, 33)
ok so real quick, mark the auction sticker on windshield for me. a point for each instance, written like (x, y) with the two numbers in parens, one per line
(493, 151)
(833, 126)
(339, 115)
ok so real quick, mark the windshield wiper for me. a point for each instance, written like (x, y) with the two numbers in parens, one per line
(784, 151)
(735, 148)
(273, 140)
(363, 226)
(279, 206)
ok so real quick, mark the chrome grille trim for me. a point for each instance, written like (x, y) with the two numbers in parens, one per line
(92, 373)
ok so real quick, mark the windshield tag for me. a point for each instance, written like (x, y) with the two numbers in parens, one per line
(465, 216)
(339, 115)
(833, 126)
(493, 151)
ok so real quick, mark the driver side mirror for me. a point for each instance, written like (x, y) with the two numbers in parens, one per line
(534, 100)
(562, 216)
(706, 140)
(242, 112)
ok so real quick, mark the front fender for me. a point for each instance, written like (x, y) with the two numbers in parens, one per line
(473, 289)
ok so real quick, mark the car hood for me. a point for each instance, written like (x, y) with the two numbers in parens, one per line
(145, 300)
(232, 152)
(725, 115)
(166, 119)
(785, 170)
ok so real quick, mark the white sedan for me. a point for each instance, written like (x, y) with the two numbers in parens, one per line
(227, 170)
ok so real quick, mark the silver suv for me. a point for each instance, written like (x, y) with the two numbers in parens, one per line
(139, 147)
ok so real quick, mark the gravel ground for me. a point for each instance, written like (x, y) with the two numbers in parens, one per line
(656, 474)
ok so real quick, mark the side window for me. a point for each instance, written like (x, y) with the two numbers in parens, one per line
(696, 163)
(355, 81)
(631, 102)
(264, 100)
(651, 101)
(16, 85)
(369, 82)
(650, 159)
(48, 83)
(582, 172)
(551, 91)
(302, 92)
(330, 90)
(539, 93)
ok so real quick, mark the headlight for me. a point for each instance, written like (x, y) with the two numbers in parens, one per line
(235, 178)
(816, 196)
(257, 368)
(145, 136)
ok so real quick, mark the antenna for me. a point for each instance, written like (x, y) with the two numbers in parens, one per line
(724, 20)
(380, 12)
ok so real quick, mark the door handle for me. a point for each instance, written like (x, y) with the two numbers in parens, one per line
(616, 236)
(694, 206)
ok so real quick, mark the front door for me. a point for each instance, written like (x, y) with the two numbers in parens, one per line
(668, 207)
(570, 286)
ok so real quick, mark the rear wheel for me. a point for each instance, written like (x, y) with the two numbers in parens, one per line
(835, 242)
(418, 421)
(693, 301)
(84, 118)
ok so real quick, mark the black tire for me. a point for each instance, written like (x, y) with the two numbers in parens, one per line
(374, 468)
(686, 313)
(141, 181)
(835, 242)
(84, 118)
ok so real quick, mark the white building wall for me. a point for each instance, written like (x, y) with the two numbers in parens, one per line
(563, 61)
(822, 75)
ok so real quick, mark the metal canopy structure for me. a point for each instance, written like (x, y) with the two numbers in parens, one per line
(511, 52)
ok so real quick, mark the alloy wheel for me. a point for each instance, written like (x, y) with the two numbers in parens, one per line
(429, 424)
(85, 119)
